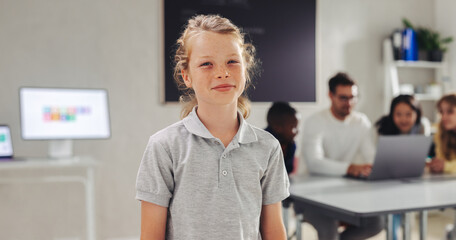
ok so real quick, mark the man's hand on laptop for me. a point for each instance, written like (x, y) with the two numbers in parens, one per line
(359, 170)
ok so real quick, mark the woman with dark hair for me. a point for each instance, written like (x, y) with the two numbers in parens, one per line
(404, 118)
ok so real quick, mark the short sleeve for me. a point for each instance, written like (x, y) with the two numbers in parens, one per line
(275, 184)
(155, 182)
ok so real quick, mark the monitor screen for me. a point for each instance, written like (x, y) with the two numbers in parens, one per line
(58, 113)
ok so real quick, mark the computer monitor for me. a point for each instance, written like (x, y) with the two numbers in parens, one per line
(63, 114)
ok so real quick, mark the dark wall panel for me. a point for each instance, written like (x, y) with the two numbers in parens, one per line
(282, 31)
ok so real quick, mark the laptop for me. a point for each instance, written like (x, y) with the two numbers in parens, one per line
(6, 145)
(402, 156)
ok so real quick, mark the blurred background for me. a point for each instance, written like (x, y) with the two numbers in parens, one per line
(118, 45)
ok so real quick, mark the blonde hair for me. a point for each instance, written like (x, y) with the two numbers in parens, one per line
(217, 24)
(448, 138)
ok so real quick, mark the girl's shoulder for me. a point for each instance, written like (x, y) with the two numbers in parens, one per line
(169, 134)
(264, 137)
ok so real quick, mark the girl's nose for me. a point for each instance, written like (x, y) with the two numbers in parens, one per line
(223, 73)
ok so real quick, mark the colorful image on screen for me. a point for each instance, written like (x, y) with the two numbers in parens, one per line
(64, 114)
(58, 113)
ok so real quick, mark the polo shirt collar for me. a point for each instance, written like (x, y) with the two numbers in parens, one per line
(195, 126)
(245, 134)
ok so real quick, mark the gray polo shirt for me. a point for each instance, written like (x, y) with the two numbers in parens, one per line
(212, 192)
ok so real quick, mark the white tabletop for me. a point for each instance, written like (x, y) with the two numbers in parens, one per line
(363, 198)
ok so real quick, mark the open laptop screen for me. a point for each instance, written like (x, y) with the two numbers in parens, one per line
(401, 156)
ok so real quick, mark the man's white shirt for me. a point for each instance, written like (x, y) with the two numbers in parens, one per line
(331, 145)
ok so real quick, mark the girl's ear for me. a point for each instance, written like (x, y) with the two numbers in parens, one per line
(186, 78)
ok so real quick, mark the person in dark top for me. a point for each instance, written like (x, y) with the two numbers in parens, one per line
(283, 125)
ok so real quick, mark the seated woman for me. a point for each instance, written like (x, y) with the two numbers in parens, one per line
(445, 137)
(404, 118)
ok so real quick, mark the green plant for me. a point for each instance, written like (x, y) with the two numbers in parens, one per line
(407, 23)
(428, 39)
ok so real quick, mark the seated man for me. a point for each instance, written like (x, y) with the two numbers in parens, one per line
(283, 125)
(332, 140)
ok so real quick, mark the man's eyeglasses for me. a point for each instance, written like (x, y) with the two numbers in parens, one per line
(344, 98)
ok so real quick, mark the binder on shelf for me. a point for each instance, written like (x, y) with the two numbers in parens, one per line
(409, 45)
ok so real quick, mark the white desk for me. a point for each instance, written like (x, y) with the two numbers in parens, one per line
(87, 163)
(349, 200)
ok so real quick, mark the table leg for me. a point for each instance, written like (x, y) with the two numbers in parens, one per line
(90, 204)
(299, 220)
(453, 232)
(406, 229)
(423, 225)
(389, 228)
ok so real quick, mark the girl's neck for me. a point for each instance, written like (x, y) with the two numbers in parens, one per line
(221, 121)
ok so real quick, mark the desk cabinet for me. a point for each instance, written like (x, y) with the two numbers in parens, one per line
(87, 179)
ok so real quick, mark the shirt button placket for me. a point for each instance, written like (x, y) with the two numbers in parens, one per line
(223, 164)
(225, 168)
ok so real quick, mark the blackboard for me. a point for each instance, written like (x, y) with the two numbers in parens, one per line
(283, 33)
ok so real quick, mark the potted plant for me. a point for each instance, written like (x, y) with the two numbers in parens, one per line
(433, 43)
(430, 41)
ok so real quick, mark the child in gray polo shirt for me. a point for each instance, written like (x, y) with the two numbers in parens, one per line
(212, 175)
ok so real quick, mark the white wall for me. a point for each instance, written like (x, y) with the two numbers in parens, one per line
(100, 44)
(352, 32)
(116, 45)
(446, 25)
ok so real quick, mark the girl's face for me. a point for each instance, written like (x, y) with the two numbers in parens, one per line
(448, 116)
(216, 69)
(404, 117)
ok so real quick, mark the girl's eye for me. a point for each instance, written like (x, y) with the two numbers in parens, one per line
(205, 64)
(232, 61)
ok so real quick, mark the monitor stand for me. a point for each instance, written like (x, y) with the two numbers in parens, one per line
(60, 148)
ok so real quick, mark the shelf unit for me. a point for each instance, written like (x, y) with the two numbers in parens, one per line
(441, 79)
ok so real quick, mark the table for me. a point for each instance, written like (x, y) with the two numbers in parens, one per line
(87, 180)
(349, 200)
